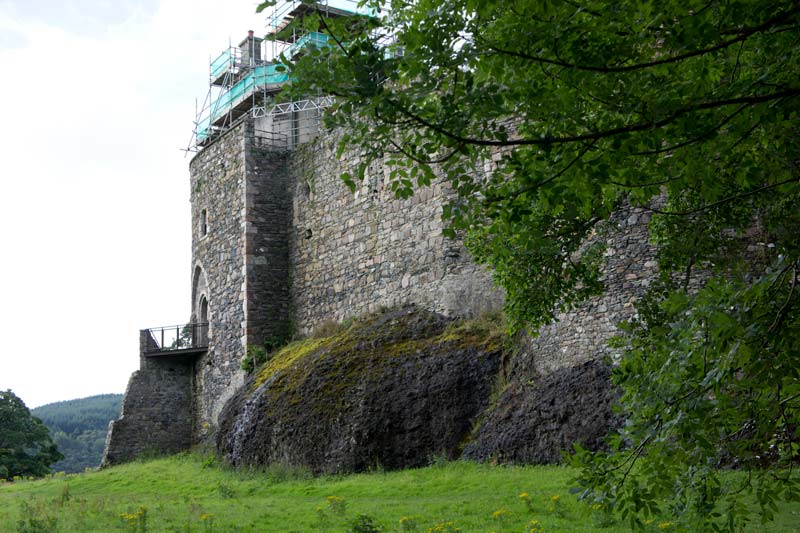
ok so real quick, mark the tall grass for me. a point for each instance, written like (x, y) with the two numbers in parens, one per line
(191, 493)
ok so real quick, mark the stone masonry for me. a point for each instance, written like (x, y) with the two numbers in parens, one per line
(353, 253)
(280, 246)
(156, 415)
(218, 190)
(580, 335)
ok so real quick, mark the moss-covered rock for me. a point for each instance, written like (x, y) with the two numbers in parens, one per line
(393, 389)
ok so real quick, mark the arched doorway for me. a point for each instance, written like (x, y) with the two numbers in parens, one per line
(202, 321)
(200, 311)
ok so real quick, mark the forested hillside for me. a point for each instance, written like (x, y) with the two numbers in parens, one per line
(79, 429)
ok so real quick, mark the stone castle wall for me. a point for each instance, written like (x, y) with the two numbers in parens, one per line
(288, 247)
(218, 176)
(285, 246)
(582, 334)
(156, 416)
(266, 227)
(353, 253)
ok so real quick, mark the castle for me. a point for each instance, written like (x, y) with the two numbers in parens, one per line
(279, 246)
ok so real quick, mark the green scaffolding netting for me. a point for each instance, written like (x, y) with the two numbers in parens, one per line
(221, 64)
(258, 78)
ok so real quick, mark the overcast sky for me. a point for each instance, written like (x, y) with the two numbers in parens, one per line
(98, 99)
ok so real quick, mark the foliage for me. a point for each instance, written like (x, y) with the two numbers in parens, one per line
(35, 519)
(364, 523)
(255, 357)
(26, 448)
(708, 368)
(79, 429)
(408, 523)
(329, 328)
(533, 527)
(337, 505)
(544, 118)
(182, 338)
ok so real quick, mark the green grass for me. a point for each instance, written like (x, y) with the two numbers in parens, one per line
(190, 493)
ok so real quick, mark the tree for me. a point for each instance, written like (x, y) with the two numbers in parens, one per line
(686, 108)
(79, 428)
(26, 448)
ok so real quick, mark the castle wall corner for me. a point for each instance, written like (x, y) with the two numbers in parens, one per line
(218, 199)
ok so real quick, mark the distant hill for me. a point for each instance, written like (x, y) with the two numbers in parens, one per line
(79, 429)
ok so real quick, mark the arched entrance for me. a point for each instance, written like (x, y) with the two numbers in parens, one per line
(200, 311)
(202, 321)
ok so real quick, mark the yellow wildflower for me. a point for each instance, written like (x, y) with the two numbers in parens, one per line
(534, 527)
(500, 514)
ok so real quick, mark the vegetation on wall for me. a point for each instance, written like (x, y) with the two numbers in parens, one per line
(26, 448)
(79, 428)
(688, 109)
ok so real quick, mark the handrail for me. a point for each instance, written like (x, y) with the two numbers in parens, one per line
(173, 338)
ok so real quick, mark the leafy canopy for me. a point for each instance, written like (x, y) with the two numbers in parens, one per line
(545, 117)
(26, 448)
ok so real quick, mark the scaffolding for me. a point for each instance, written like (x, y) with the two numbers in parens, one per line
(247, 80)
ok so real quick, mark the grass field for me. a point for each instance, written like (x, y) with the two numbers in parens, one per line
(191, 493)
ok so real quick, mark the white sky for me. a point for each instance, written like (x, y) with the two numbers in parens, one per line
(96, 100)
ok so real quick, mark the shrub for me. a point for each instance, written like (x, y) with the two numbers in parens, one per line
(364, 523)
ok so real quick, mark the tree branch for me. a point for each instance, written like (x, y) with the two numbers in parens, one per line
(641, 126)
(785, 307)
(555, 176)
(721, 202)
(419, 160)
(336, 39)
(699, 138)
(742, 36)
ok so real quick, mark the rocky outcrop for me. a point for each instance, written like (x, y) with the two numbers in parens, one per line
(393, 389)
(536, 421)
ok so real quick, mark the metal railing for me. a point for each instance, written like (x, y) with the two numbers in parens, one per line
(173, 338)
(227, 61)
(266, 78)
